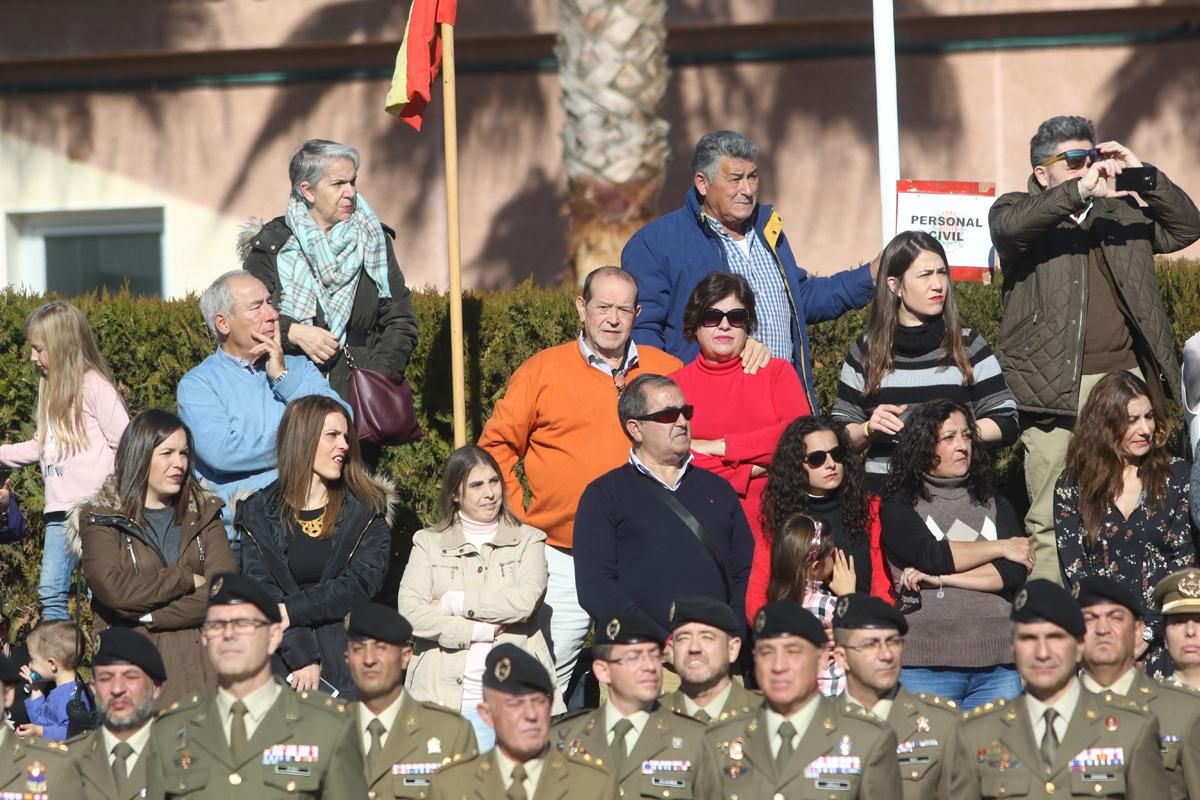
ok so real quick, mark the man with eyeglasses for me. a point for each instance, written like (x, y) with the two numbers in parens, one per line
(706, 640)
(658, 527)
(868, 637)
(650, 748)
(254, 737)
(557, 419)
(1080, 295)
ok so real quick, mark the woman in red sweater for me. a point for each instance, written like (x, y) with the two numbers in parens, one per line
(739, 417)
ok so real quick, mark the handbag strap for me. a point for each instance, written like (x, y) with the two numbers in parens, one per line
(694, 526)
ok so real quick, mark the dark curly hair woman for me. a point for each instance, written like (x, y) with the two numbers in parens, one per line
(960, 552)
(815, 471)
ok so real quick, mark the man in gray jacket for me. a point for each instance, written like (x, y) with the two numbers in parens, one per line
(1080, 295)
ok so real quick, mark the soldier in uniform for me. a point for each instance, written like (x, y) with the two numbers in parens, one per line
(799, 744)
(868, 637)
(517, 693)
(706, 639)
(110, 763)
(649, 747)
(1113, 616)
(403, 740)
(29, 767)
(1177, 598)
(1056, 738)
(255, 738)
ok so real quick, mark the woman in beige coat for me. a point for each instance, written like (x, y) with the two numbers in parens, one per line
(474, 580)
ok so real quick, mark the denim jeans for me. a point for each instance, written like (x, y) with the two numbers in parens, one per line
(969, 687)
(58, 566)
(485, 737)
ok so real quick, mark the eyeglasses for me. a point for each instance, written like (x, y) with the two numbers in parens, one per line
(817, 457)
(241, 626)
(711, 317)
(668, 415)
(1074, 158)
(637, 659)
(891, 643)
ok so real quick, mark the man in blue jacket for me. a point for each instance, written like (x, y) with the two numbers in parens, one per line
(722, 226)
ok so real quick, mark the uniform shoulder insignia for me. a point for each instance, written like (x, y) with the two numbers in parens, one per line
(691, 723)
(1123, 703)
(937, 704)
(571, 716)
(855, 711)
(434, 708)
(181, 706)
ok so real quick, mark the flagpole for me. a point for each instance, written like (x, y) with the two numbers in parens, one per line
(453, 249)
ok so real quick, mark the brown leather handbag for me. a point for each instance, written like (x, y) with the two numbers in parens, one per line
(383, 406)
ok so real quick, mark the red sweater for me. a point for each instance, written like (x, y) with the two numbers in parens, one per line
(559, 414)
(750, 412)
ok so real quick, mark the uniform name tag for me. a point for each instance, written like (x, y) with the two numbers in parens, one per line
(670, 783)
(1099, 776)
(835, 765)
(427, 768)
(1098, 757)
(665, 766)
(300, 753)
(835, 786)
(410, 780)
(288, 768)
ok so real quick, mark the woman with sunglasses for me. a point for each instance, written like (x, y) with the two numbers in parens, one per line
(738, 417)
(815, 471)
(916, 349)
(960, 553)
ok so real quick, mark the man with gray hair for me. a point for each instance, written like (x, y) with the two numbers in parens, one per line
(723, 226)
(233, 400)
(1080, 295)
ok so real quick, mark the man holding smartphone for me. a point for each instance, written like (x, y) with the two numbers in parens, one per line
(1080, 293)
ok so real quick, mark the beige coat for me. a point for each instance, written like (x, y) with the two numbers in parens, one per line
(504, 585)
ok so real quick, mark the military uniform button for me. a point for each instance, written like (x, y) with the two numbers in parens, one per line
(235, 779)
(778, 796)
(1049, 787)
(1098, 788)
(371, 795)
(915, 773)
(291, 786)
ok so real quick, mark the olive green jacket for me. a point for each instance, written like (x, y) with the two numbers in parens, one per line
(563, 776)
(741, 701)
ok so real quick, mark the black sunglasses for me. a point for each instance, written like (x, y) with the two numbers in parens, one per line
(668, 415)
(1074, 158)
(711, 317)
(817, 457)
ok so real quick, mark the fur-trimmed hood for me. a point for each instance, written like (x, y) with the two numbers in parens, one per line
(245, 238)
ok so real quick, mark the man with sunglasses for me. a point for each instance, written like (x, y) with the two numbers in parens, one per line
(658, 528)
(1080, 295)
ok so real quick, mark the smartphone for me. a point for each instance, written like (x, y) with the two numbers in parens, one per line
(1137, 179)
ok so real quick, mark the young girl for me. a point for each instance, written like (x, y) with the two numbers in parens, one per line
(80, 419)
(808, 568)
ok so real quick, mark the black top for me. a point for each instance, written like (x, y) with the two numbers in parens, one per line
(307, 556)
(829, 510)
(163, 532)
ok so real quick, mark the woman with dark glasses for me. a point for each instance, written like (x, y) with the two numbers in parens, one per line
(738, 417)
(915, 349)
(815, 471)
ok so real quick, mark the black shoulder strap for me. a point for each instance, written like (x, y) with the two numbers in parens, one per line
(694, 526)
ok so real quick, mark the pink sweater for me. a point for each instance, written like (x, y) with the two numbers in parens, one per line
(74, 477)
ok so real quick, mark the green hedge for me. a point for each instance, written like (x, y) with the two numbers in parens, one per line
(150, 344)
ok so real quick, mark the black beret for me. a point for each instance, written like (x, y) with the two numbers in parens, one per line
(1095, 590)
(705, 610)
(10, 673)
(788, 618)
(860, 610)
(514, 671)
(1041, 600)
(379, 622)
(629, 629)
(230, 588)
(125, 646)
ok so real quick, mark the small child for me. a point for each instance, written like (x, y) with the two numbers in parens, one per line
(54, 653)
(804, 562)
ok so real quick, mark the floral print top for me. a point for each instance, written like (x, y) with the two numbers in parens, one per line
(1137, 552)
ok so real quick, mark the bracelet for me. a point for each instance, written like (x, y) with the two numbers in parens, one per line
(867, 429)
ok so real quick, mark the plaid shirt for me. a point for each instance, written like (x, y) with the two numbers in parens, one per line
(770, 292)
(831, 680)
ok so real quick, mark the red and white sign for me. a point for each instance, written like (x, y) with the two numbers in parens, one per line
(956, 214)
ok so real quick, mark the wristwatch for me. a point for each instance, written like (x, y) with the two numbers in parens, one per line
(279, 378)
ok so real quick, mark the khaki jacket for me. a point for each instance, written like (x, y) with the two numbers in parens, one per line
(35, 766)
(924, 725)
(1178, 712)
(504, 585)
(740, 701)
(95, 774)
(562, 777)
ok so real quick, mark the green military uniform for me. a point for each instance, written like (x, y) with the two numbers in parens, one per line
(425, 737)
(33, 769)
(305, 746)
(1110, 750)
(846, 753)
(924, 725)
(661, 764)
(741, 701)
(563, 776)
(94, 773)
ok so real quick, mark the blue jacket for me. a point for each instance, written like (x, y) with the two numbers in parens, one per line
(669, 256)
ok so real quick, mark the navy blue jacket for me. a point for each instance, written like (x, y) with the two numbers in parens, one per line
(669, 256)
(633, 554)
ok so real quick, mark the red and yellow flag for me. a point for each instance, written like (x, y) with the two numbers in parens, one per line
(419, 59)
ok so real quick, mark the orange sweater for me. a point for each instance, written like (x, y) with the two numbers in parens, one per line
(559, 414)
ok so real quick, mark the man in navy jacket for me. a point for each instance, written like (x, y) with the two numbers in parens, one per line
(722, 226)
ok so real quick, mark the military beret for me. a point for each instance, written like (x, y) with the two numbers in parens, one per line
(1045, 601)
(10, 673)
(514, 671)
(1095, 590)
(379, 622)
(629, 629)
(1179, 592)
(125, 646)
(860, 610)
(788, 618)
(230, 588)
(705, 610)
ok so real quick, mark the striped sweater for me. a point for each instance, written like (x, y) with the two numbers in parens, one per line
(918, 375)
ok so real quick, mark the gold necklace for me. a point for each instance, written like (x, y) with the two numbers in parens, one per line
(312, 527)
